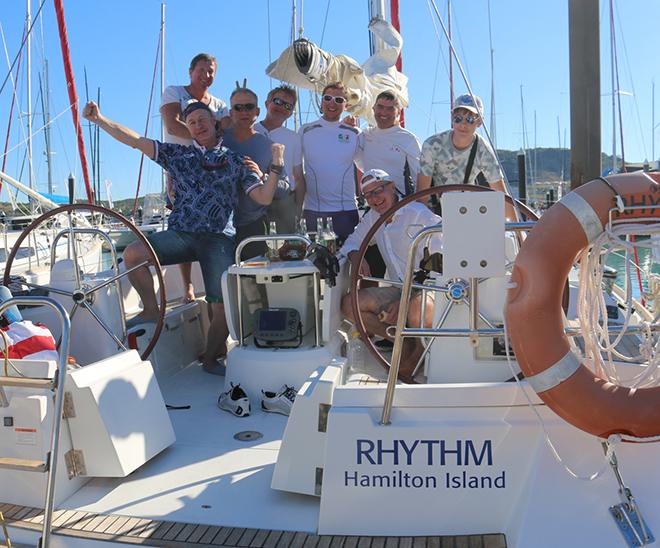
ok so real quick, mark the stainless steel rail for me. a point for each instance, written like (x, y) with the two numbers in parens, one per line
(58, 386)
(316, 282)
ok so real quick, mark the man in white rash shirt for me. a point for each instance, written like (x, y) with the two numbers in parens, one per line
(388, 146)
(328, 149)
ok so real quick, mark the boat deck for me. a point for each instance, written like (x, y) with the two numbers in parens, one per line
(208, 489)
(172, 534)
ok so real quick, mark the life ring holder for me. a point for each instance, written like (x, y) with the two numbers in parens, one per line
(534, 316)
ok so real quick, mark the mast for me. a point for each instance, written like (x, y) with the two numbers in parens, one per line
(163, 182)
(451, 60)
(28, 42)
(45, 94)
(396, 23)
(614, 92)
(493, 131)
(584, 48)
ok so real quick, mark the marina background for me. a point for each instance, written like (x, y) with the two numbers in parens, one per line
(116, 44)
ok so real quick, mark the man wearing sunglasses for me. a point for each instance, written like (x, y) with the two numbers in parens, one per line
(210, 178)
(460, 155)
(280, 104)
(250, 217)
(328, 149)
(379, 306)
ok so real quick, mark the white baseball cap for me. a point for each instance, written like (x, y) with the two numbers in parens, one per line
(374, 176)
(467, 102)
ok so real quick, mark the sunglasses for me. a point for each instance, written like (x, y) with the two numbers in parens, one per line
(337, 99)
(207, 166)
(244, 107)
(280, 103)
(470, 119)
(375, 192)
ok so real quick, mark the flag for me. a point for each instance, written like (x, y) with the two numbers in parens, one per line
(108, 184)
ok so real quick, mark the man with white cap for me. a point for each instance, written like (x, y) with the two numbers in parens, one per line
(379, 306)
(460, 155)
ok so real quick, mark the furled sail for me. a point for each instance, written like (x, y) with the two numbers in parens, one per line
(305, 65)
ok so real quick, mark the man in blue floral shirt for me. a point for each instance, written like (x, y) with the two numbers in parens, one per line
(209, 179)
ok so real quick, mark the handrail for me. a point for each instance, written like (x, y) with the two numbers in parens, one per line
(58, 406)
(401, 330)
(238, 262)
(266, 238)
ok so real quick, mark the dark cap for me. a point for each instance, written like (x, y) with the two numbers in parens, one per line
(193, 106)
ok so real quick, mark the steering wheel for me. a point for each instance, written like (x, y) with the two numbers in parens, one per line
(356, 277)
(71, 220)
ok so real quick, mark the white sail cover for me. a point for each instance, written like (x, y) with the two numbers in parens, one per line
(364, 82)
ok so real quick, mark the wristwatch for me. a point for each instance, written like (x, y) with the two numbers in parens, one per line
(276, 168)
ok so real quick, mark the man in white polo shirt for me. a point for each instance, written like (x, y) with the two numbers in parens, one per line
(280, 104)
(388, 146)
(328, 149)
(379, 306)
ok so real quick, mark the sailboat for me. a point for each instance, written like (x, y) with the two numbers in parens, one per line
(478, 455)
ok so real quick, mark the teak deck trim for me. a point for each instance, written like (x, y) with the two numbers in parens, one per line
(173, 534)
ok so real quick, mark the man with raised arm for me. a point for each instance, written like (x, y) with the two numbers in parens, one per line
(210, 179)
(175, 99)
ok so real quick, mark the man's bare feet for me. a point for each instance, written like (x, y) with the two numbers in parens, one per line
(215, 367)
(189, 294)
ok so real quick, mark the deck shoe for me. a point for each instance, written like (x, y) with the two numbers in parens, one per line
(235, 400)
(279, 402)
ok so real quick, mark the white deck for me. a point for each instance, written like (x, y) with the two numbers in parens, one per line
(206, 476)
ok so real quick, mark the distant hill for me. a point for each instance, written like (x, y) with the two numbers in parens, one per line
(551, 163)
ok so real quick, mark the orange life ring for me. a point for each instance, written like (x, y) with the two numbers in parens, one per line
(534, 314)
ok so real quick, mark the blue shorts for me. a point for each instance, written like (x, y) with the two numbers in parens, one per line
(215, 253)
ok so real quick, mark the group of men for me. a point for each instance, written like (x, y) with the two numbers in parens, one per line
(223, 164)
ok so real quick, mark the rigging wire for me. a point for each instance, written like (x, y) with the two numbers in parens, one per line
(11, 108)
(632, 84)
(311, 93)
(270, 52)
(452, 50)
(618, 86)
(146, 128)
(25, 37)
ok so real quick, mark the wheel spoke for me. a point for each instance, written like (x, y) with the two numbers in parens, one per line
(71, 315)
(104, 326)
(115, 278)
(49, 289)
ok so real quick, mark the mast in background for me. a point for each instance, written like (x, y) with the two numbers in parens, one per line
(583, 37)
(162, 90)
(493, 130)
(28, 24)
(451, 61)
(45, 93)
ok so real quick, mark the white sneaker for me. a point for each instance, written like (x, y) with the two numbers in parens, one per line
(235, 400)
(279, 402)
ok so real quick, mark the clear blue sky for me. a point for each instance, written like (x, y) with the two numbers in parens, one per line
(116, 40)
